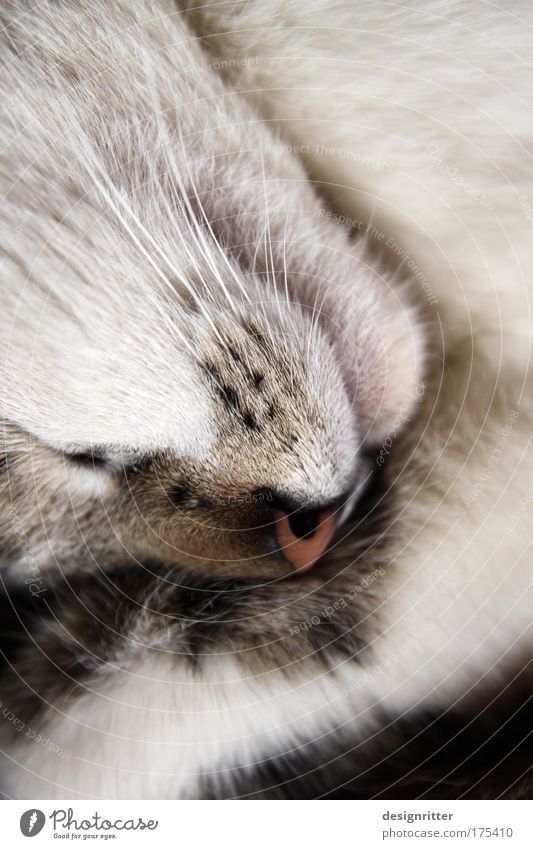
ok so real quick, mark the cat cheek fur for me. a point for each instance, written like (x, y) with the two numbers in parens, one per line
(382, 355)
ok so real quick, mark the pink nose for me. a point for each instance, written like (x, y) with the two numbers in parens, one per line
(304, 549)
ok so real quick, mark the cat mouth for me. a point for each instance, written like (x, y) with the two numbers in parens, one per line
(303, 536)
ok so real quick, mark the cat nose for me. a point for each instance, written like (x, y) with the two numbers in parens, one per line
(303, 535)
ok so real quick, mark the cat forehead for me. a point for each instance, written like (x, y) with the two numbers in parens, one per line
(136, 409)
(145, 390)
(282, 407)
(114, 383)
(287, 370)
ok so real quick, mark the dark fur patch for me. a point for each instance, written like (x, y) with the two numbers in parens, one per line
(250, 421)
(212, 371)
(484, 753)
(179, 493)
(229, 396)
(90, 458)
(233, 353)
(253, 330)
(257, 380)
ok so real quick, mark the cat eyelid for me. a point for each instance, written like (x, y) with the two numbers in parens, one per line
(89, 457)
(106, 458)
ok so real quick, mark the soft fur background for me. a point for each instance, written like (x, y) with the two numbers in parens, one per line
(425, 113)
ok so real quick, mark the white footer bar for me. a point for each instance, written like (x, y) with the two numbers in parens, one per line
(268, 825)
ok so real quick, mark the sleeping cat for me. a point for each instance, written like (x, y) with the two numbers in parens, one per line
(196, 359)
(219, 545)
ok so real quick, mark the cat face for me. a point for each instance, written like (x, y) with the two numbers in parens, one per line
(195, 360)
(227, 435)
(224, 430)
(241, 463)
(259, 488)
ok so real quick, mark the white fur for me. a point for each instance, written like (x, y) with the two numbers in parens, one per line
(153, 729)
(408, 90)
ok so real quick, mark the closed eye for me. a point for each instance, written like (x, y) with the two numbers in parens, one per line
(89, 458)
(102, 458)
